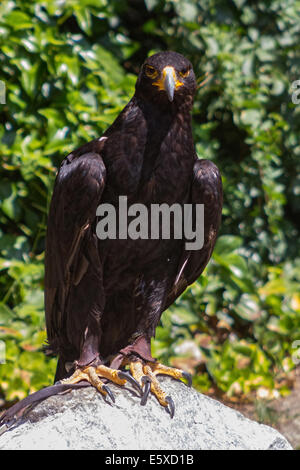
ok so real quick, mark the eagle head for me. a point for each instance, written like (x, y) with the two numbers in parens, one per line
(166, 76)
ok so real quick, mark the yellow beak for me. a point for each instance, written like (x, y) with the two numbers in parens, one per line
(168, 82)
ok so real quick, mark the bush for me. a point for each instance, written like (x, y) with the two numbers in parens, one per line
(69, 68)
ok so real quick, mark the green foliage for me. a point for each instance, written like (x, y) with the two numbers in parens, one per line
(69, 68)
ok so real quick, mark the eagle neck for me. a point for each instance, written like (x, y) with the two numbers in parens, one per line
(169, 137)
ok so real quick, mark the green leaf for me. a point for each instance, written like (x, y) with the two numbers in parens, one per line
(18, 20)
(227, 244)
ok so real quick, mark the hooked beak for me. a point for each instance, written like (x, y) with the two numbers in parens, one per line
(168, 82)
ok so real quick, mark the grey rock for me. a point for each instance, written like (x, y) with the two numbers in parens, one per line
(81, 419)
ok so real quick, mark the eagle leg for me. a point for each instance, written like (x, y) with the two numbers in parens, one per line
(144, 369)
(146, 373)
(92, 375)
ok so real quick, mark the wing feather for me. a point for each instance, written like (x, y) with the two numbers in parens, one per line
(77, 193)
(207, 190)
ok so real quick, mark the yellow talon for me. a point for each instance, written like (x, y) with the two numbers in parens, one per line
(92, 375)
(145, 373)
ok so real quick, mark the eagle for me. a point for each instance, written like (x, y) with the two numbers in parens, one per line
(104, 297)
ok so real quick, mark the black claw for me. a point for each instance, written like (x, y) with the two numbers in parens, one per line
(3, 428)
(171, 407)
(109, 393)
(147, 381)
(125, 375)
(188, 377)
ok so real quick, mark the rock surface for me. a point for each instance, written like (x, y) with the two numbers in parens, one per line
(81, 419)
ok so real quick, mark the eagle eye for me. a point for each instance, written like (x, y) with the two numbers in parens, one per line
(184, 73)
(150, 71)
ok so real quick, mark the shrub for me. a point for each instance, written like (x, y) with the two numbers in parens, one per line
(69, 67)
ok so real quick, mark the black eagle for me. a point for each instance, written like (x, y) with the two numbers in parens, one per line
(104, 298)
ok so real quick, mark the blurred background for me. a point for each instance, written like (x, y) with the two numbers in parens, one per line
(68, 68)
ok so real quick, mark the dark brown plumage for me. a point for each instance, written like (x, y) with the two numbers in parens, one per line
(104, 298)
